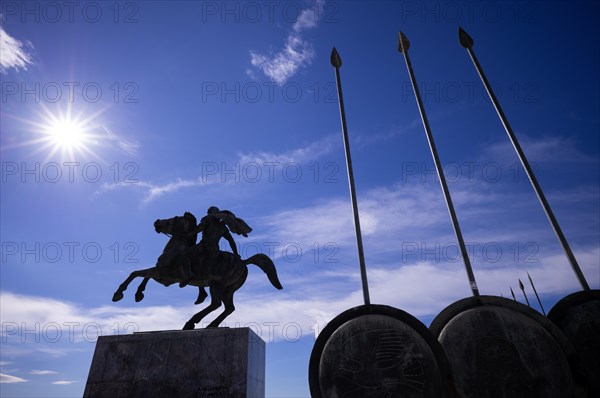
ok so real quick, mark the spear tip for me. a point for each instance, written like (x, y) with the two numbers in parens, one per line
(403, 43)
(465, 40)
(521, 285)
(336, 60)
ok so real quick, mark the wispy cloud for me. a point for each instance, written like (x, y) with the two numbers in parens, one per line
(33, 310)
(64, 382)
(42, 372)
(555, 149)
(13, 53)
(388, 215)
(8, 379)
(152, 191)
(304, 154)
(297, 52)
(128, 146)
(406, 225)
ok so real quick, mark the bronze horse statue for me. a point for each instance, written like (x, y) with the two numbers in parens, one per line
(223, 277)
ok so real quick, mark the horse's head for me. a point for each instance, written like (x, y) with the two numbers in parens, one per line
(177, 225)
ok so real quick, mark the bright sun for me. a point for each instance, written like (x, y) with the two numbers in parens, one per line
(67, 134)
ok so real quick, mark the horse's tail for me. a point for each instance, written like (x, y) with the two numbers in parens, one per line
(264, 262)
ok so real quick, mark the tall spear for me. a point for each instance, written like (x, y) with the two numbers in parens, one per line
(536, 293)
(524, 294)
(336, 62)
(403, 45)
(513, 294)
(467, 42)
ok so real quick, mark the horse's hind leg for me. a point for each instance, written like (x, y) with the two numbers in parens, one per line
(229, 308)
(149, 272)
(139, 294)
(202, 295)
(228, 300)
(216, 295)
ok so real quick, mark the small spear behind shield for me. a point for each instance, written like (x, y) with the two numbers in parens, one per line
(536, 294)
(524, 294)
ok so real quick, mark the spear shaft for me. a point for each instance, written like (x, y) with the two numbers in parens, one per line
(513, 294)
(536, 293)
(467, 42)
(524, 294)
(403, 45)
(336, 62)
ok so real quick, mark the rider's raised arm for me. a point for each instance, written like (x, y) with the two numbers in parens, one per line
(202, 225)
(229, 238)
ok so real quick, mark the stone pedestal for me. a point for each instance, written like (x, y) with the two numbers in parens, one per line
(219, 362)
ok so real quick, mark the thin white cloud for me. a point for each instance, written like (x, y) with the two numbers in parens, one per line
(304, 154)
(309, 17)
(577, 195)
(42, 372)
(388, 215)
(13, 53)
(128, 146)
(64, 382)
(281, 66)
(8, 379)
(87, 322)
(78, 324)
(154, 191)
(297, 52)
(413, 217)
(555, 149)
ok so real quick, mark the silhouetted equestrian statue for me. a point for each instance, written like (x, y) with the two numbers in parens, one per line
(203, 264)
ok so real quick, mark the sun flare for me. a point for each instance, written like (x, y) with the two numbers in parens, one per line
(64, 133)
(67, 134)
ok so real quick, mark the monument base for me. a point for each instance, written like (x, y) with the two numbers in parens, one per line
(219, 362)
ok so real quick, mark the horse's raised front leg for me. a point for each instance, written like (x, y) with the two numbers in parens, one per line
(202, 295)
(216, 295)
(139, 294)
(148, 272)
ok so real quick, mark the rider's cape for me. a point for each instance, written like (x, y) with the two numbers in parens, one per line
(235, 225)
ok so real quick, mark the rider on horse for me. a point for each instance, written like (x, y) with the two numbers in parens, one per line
(224, 276)
(214, 226)
(180, 242)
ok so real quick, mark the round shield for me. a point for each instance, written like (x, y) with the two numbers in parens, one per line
(378, 351)
(578, 317)
(501, 348)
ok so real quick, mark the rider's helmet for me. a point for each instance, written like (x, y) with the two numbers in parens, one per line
(212, 210)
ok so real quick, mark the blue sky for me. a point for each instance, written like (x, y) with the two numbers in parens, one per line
(184, 105)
